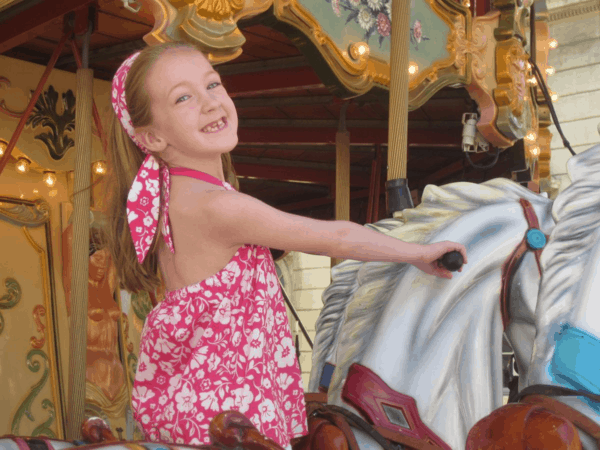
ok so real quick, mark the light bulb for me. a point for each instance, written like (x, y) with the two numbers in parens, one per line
(99, 167)
(550, 70)
(531, 136)
(413, 69)
(532, 81)
(467, 3)
(23, 165)
(49, 178)
(553, 44)
(362, 49)
(535, 151)
(554, 96)
(3, 147)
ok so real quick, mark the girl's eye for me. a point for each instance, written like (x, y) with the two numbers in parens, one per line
(214, 85)
(182, 98)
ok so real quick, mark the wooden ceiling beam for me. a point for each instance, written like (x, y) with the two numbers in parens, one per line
(34, 21)
(256, 82)
(358, 136)
(105, 53)
(301, 174)
(314, 203)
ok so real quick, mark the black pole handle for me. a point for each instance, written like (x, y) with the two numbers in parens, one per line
(452, 261)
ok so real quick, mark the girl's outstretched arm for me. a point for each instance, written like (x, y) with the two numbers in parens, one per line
(237, 219)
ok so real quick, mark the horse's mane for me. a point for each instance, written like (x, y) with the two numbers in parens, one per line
(371, 282)
(577, 213)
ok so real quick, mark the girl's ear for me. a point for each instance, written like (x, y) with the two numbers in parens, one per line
(150, 139)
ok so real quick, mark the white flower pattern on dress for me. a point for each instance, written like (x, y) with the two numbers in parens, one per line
(239, 355)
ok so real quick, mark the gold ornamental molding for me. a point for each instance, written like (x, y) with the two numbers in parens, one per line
(209, 24)
(483, 78)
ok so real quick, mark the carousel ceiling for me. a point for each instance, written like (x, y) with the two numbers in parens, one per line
(288, 117)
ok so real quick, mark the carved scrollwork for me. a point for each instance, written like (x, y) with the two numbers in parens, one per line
(517, 114)
(30, 214)
(10, 299)
(38, 312)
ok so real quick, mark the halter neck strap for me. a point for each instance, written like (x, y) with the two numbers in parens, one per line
(192, 173)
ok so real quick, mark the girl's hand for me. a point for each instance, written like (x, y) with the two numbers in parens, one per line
(433, 252)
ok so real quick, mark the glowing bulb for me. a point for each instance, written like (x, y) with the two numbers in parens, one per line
(550, 70)
(49, 178)
(531, 136)
(413, 69)
(529, 65)
(535, 151)
(532, 81)
(553, 44)
(362, 49)
(3, 147)
(467, 3)
(23, 165)
(554, 96)
(35, 191)
(99, 167)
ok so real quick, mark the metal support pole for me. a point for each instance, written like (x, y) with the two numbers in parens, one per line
(397, 192)
(80, 255)
(38, 90)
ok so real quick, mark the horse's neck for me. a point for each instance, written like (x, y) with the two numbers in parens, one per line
(441, 341)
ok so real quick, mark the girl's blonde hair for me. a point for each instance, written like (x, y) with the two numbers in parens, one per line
(125, 159)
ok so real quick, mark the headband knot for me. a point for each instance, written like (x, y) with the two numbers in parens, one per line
(144, 198)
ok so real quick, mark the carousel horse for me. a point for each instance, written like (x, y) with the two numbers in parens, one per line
(560, 397)
(408, 359)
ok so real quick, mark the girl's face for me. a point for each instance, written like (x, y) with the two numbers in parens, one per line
(192, 113)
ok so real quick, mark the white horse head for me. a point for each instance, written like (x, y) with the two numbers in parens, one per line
(568, 308)
(437, 340)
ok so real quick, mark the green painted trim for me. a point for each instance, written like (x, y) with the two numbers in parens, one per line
(10, 299)
(25, 407)
(44, 429)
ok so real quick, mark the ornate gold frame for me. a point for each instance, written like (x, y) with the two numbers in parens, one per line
(359, 73)
(32, 214)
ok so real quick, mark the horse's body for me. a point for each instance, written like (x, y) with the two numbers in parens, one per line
(439, 341)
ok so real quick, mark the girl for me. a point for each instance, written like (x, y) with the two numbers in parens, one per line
(222, 343)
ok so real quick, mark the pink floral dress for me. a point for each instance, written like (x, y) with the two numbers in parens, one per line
(221, 344)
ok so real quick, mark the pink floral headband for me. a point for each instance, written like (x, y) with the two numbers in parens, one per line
(143, 201)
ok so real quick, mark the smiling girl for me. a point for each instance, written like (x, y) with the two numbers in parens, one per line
(222, 343)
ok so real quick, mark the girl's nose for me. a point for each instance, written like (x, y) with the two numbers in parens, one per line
(210, 102)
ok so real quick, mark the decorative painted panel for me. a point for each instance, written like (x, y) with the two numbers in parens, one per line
(353, 38)
(29, 373)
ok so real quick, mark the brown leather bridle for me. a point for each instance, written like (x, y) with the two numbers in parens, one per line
(513, 260)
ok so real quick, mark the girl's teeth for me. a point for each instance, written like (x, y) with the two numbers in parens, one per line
(218, 126)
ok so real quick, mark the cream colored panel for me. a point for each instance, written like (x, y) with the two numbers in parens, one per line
(28, 374)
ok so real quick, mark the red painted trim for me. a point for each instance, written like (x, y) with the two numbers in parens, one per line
(21, 443)
(34, 21)
(367, 392)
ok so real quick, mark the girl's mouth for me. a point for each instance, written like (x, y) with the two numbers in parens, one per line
(216, 126)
